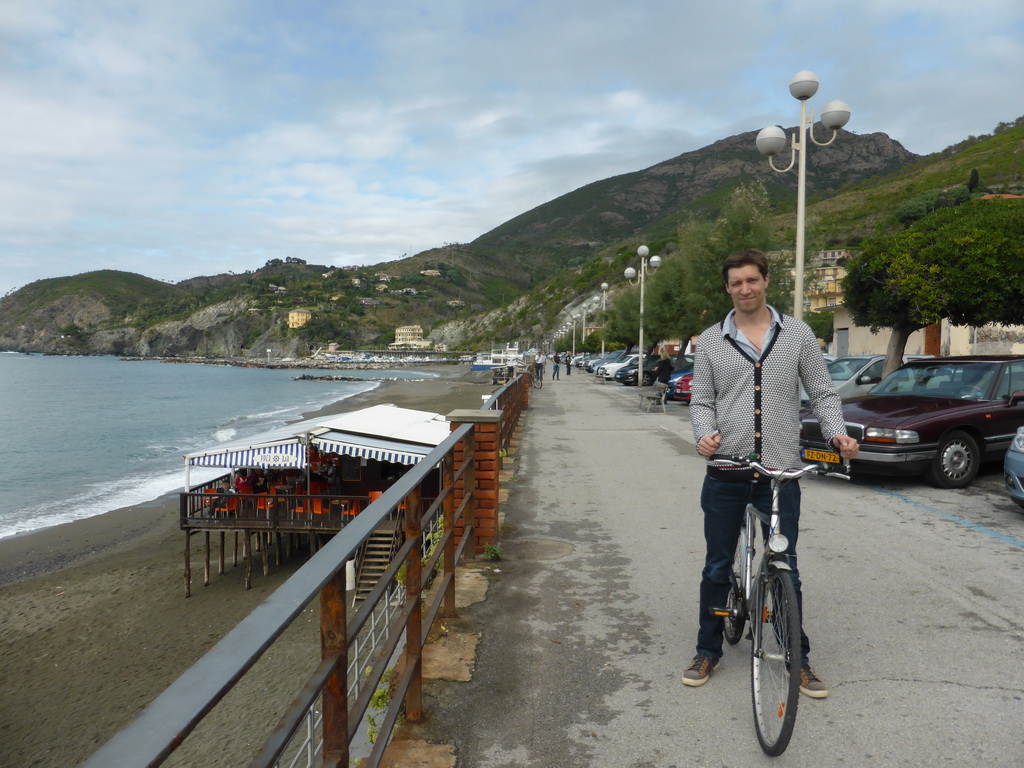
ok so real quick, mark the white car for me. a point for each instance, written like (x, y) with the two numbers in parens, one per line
(608, 369)
(854, 376)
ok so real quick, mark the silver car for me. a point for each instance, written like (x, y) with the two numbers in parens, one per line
(855, 375)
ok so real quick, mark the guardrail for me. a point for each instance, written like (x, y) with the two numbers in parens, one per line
(356, 651)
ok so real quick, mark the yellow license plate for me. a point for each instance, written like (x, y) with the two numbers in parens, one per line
(826, 456)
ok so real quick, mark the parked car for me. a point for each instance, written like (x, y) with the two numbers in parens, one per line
(611, 357)
(941, 417)
(608, 369)
(679, 386)
(856, 374)
(627, 374)
(1013, 468)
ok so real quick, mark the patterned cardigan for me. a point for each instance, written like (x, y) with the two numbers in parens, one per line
(756, 404)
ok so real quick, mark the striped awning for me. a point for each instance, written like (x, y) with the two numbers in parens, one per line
(374, 448)
(281, 455)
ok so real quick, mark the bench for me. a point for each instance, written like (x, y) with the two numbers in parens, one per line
(655, 394)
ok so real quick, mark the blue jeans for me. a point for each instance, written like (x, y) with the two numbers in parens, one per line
(724, 503)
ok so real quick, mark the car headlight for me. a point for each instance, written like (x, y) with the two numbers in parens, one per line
(884, 435)
(1018, 441)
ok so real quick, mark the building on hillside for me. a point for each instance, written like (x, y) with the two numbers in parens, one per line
(383, 277)
(430, 272)
(356, 282)
(299, 317)
(381, 287)
(409, 337)
(457, 303)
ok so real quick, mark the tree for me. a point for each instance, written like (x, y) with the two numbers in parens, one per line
(687, 294)
(972, 183)
(960, 263)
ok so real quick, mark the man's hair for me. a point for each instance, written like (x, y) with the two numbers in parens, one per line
(742, 259)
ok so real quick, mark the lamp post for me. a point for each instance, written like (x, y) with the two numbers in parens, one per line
(772, 140)
(631, 274)
(604, 303)
(574, 319)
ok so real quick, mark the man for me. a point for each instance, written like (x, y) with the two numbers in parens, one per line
(538, 364)
(745, 399)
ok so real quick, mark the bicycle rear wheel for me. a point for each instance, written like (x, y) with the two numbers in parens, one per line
(735, 604)
(775, 661)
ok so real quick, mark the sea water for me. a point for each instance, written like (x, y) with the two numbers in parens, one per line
(80, 436)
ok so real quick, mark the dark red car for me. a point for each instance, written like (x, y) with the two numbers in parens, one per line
(940, 417)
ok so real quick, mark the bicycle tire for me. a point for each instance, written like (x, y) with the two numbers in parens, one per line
(735, 603)
(538, 382)
(775, 661)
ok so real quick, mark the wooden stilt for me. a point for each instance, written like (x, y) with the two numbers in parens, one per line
(220, 562)
(247, 556)
(206, 566)
(264, 552)
(188, 564)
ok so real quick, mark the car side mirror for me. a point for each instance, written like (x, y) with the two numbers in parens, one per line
(869, 379)
(1017, 397)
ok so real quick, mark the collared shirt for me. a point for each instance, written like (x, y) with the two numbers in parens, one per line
(729, 329)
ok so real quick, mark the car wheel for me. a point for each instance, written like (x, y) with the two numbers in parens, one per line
(647, 380)
(956, 462)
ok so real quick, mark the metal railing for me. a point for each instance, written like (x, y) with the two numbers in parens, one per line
(356, 651)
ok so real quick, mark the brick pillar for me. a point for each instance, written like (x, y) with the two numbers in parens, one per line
(486, 444)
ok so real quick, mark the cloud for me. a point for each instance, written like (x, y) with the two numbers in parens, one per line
(180, 137)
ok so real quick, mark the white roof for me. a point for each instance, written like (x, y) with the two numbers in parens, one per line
(384, 432)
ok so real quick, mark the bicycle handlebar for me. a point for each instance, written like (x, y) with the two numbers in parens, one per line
(780, 474)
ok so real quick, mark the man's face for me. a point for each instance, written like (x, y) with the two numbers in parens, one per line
(747, 287)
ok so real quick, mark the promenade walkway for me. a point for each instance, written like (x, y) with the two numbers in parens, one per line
(591, 615)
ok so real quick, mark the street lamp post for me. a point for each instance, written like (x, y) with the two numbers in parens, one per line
(574, 319)
(772, 140)
(631, 274)
(604, 302)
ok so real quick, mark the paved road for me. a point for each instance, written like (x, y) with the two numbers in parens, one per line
(913, 596)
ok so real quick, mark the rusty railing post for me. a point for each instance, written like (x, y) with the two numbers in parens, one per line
(448, 512)
(413, 594)
(335, 693)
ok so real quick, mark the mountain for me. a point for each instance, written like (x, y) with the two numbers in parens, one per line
(512, 282)
(654, 201)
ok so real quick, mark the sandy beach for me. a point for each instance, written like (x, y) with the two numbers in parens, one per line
(94, 623)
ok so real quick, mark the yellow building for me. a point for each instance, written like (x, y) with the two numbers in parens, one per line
(299, 317)
(409, 337)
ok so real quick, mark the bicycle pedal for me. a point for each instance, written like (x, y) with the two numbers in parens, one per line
(720, 612)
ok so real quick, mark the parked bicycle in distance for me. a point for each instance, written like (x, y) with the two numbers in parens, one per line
(767, 596)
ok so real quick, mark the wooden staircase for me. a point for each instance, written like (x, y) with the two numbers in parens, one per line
(375, 558)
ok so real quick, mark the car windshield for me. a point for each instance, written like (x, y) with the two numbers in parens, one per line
(841, 369)
(962, 380)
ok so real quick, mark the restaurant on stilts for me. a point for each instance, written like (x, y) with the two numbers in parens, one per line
(289, 488)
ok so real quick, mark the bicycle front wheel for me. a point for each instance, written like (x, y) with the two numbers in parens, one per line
(736, 605)
(775, 661)
(538, 382)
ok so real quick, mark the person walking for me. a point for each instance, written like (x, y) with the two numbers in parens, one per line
(745, 400)
(555, 362)
(568, 363)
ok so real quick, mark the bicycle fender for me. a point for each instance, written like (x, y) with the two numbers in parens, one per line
(779, 565)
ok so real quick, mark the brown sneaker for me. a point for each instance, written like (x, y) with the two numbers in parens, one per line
(810, 684)
(700, 670)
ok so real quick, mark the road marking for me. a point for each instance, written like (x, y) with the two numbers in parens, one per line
(953, 518)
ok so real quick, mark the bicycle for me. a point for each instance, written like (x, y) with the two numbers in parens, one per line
(538, 378)
(768, 593)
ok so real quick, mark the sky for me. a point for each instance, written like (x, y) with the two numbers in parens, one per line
(177, 138)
